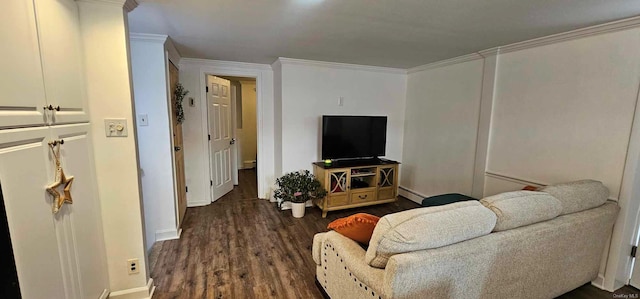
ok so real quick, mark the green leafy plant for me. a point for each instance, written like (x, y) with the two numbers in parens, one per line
(298, 187)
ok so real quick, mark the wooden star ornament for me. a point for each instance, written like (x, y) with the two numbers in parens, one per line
(60, 198)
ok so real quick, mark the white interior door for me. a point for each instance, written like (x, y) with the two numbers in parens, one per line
(220, 139)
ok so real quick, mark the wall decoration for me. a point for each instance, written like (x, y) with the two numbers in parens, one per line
(180, 92)
(61, 180)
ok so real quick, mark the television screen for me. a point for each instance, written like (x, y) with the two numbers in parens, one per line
(345, 137)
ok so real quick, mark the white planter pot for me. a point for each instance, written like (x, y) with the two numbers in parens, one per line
(297, 209)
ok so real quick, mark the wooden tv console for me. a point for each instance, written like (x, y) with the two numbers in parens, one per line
(356, 183)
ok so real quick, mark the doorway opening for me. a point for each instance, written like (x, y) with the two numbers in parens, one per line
(232, 124)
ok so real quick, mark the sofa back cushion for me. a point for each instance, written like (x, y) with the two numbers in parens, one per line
(520, 208)
(579, 195)
(426, 228)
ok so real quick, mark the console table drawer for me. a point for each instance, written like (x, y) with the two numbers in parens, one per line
(363, 196)
(338, 200)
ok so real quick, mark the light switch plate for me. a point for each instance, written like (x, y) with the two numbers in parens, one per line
(115, 127)
(143, 120)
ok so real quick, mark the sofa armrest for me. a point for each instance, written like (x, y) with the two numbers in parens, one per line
(343, 270)
(316, 248)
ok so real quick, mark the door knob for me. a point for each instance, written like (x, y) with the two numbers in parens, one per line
(232, 141)
(177, 148)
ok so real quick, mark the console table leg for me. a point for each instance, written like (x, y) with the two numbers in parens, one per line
(324, 214)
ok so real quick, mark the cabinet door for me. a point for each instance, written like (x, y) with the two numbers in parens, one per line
(24, 173)
(62, 59)
(338, 181)
(79, 225)
(22, 98)
(387, 178)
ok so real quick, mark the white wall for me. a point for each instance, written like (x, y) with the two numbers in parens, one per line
(441, 124)
(249, 132)
(192, 77)
(552, 110)
(312, 89)
(105, 41)
(564, 111)
(277, 115)
(149, 73)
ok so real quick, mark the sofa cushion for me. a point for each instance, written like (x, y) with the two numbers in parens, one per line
(445, 199)
(358, 227)
(426, 228)
(520, 208)
(579, 195)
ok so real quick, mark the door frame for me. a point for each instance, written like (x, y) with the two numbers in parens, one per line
(169, 61)
(259, 110)
(234, 132)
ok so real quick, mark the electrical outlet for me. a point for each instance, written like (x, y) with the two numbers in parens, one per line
(132, 265)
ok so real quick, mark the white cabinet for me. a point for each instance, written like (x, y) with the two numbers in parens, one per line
(42, 64)
(57, 255)
(62, 59)
(22, 98)
(79, 224)
(24, 172)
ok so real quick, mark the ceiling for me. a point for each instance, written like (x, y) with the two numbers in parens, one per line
(400, 33)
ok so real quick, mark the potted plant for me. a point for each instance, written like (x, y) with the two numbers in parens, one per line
(298, 187)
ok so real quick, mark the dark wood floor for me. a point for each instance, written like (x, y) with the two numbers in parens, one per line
(244, 247)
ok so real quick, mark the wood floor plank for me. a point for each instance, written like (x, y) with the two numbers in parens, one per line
(244, 247)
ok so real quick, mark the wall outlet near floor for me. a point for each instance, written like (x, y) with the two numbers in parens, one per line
(133, 266)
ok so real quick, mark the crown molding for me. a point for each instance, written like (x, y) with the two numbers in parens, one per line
(573, 34)
(490, 52)
(276, 64)
(128, 5)
(158, 38)
(536, 42)
(223, 64)
(447, 62)
(337, 65)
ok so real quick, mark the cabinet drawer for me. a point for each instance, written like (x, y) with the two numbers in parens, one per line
(338, 200)
(363, 196)
(386, 193)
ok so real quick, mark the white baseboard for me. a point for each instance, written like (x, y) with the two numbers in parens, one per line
(168, 234)
(598, 282)
(105, 294)
(145, 292)
(411, 194)
(191, 204)
(249, 164)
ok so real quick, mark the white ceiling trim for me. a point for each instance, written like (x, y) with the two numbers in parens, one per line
(337, 65)
(574, 34)
(224, 64)
(536, 42)
(128, 5)
(159, 38)
(441, 63)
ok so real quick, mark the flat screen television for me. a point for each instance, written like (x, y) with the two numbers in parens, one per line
(351, 137)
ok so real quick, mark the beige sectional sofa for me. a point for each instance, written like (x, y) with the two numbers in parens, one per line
(520, 244)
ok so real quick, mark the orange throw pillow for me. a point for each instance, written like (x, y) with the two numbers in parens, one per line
(358, 227)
